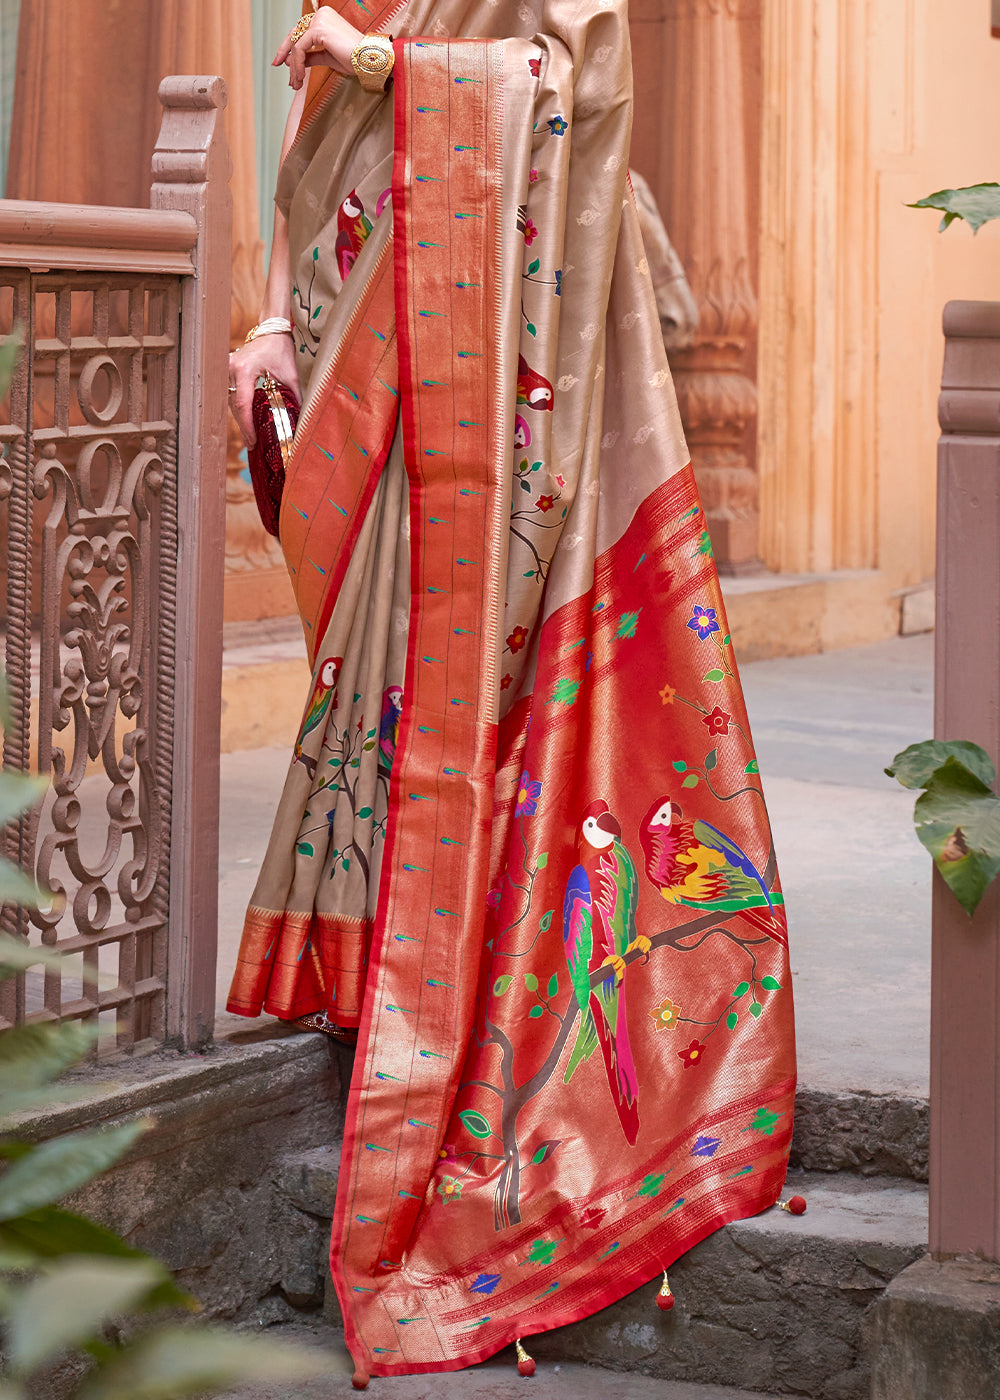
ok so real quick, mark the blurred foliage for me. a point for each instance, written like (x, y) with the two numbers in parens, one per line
(976, 204)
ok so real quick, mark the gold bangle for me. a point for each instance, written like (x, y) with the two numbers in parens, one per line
(296, 33)
(373, 61)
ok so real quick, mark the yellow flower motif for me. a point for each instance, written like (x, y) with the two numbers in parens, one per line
(665, 1015)
(667, 694)
(449, 1189)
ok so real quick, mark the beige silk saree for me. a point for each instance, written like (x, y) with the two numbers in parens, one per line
(522, 849)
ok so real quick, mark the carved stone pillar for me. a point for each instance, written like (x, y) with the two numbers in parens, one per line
(695, 138)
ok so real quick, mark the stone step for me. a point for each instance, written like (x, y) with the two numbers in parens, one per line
(776, 1304)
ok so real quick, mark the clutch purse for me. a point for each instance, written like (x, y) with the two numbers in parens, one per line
(275, 414)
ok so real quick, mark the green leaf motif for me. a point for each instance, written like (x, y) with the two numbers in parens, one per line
(533, 266)
(755, 1009)
(731, 1020)
(501, 985)
(542, 861)
(726, 639)
(546, 920)
(976, 204)
(679, 766)
(651, 1185)
(531, 981)
(531, 328)
(958, 821)
(741, 990)
(535, 1012)
(752, 767)
(304, 848)
(553, 986)
(916, 766)
(711, 759)
(364, 811)
(690, 781)
(545, 1150)
(627, 624)
(565, 692)
(476, 1123)
(714, 675)
(770, 984)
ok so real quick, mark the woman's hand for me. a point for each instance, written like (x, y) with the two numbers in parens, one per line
(329, 41)
(266, 354)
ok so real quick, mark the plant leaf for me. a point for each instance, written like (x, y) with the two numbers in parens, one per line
(976, 204)
(546, 920)
(34, 1055)
(915, 766)
(476, 1123)
(711, 759)
(18, 888)
(958, 819)
(18, 792)
(177, 1362)
(62, 1164)
(10, 348)
(72, 1301)
(501, 985)
(531, 981)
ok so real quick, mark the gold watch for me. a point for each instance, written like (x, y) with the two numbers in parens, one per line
(372, 61)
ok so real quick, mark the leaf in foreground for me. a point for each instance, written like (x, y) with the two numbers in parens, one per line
(67, 1305)
(61, 1165)
(915, 766)
(177, 1362)
(976, 204)
(958, 820)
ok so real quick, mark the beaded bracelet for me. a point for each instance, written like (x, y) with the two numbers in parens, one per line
(272, 325)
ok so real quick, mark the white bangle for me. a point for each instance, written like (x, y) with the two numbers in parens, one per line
(271, 325)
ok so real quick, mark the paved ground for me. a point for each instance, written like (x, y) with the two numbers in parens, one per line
(856, 880)
(496, 1380)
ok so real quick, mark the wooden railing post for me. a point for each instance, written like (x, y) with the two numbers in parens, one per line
(965, 957)
(191, 169)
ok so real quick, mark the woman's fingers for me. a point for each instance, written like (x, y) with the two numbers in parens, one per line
(241, 404)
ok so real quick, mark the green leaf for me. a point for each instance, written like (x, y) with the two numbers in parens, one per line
(71, 1302)
(755, 1008)
(976, 204)
(741, 990)
(915, 766)
(958, 820)
(531, 328)
(546, 920)
(179, 1362)
(315, 255)
(10, 348)
(553, 986)
(545, 1150)
(316, 312)
(731, 1020)
(304, 848)
(364, 811)
(726, 640)
(54, 1168)
(542, 861)
(534, 266)
(367, 747)
(752, 767)
(32, 1056)
(531, 981)
(535, 1012)
(770, 984)
(18, 888)
(679, 766)
(501, 985)
(715, 675)
(476, 1123)
(711, 760)
(18, 792)
(690, 781)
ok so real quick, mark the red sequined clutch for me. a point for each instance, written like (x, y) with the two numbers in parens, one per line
(275, 414)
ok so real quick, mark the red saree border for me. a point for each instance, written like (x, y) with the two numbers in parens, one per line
(268, 976)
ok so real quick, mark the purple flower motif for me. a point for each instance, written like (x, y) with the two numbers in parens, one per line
(528, 794)
(558, 125)
(703, 621)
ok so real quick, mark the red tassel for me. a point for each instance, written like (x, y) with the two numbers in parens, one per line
(359, 1380)
(795, 1205)
(525, 1363)
(665, 1298)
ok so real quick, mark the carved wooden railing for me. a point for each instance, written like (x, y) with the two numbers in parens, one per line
(113, 444)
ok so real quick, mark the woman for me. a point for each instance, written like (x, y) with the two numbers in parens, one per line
(522, 849)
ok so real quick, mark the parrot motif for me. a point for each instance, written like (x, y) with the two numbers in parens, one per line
(388, 730)
(353, 227)
(533, 390)
(598, 930)
(322, 699)
(695, 864)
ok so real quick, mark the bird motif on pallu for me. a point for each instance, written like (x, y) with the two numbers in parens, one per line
(533, 389)
(388, 729)
(322, 699)
(353, 227)
(695, 864)
(598, 931)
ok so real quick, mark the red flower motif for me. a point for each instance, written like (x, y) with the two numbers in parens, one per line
(534, 64)
(532, 175)
(592, 1217)
(717, 721)
(505, 681)
(692, 1055)
(544, 503)
(447, 1153)
(517, 638)
(530, 232)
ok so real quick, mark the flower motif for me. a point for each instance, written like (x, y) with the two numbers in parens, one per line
(528, 793)
(667, 694)
(558, 125)
(717, 721)
(703, 621)
(517, 638)
(665, 1015)
(449, 1189)
(505, 680)
(534, 65)
(692, 1055)
(530, 232)
(532, 175)
(448, 1153)
(560, 481)
(543, 503)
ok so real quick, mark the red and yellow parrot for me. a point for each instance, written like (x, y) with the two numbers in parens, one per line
(353, 227)
(533, 389)
(322, 699)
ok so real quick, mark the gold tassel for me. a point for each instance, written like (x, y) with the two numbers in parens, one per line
(665, 1297)
(525, 1363)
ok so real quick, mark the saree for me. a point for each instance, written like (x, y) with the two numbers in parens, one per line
(522, 849)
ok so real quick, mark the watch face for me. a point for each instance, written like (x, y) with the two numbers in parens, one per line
(371, 58)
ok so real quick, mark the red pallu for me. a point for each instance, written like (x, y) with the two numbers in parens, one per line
(575, 1053)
